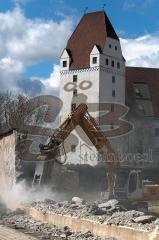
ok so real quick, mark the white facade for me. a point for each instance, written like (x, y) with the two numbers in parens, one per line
(112, 52)
(86, 78)
(103, 81)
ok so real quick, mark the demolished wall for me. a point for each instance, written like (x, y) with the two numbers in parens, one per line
(7, 161)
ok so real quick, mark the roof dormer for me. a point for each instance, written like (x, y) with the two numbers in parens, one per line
(95, 56)
(65, 59)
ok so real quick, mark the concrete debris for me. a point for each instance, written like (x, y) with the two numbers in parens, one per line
(108, 212)
(145, 219)
(77, 201)
(123, 218)
(157, 222)
(42, 230)
(107, 207)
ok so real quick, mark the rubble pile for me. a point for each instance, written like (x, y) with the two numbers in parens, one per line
(42, 230)
(109, 212)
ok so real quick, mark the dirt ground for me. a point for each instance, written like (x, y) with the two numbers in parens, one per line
(7, 233)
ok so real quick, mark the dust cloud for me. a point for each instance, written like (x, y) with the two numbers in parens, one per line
(21, 194)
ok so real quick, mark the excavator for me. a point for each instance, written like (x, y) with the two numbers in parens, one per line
(124, 184)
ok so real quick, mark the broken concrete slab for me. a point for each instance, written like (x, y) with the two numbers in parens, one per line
(107, 207)
(144, 219)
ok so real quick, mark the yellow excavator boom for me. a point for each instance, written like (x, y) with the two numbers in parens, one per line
(81, 117)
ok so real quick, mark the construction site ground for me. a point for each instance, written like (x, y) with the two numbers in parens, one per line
(81, 220)
(28, 228)
(7, 233)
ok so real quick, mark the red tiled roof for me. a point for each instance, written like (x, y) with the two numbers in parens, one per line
(92, 30)
(146, 75)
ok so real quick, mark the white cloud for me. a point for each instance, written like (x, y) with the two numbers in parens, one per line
(54, 80)
(142, 51)
(48, 85)
(25, 41)
(32, 40)
(10, 69)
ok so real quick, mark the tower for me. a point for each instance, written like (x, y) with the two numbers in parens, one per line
(92, 71)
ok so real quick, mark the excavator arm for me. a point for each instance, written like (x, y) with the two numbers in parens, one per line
(81, 117)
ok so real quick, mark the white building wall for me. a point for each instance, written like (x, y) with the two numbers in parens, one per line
(87, 92)
(112, 52)
(87, 88)
(107, 87)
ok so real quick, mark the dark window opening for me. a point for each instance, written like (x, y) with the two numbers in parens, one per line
(113, 79)
(132, 182)
(64, 63)
(116, 48)
(73, 148)
(110, 45)
(112, 63)
(94, 60)
(112, 125)
(107, 61)
(142, 90)
(74, 78)
(156, 150)
(75, 92)
(118, 65)
(112, 107)
(138, 93)
(140, 107)
(113, 93)
(157, 132)
(73, 106)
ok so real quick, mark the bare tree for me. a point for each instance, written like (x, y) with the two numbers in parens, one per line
(5, 102)
(15, 108)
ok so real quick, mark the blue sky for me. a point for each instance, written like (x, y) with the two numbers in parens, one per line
(134, 17)
(34, 32)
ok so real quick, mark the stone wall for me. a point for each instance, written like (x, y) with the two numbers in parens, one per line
(7, 161)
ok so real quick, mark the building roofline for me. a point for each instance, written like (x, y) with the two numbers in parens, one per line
(92, 30)
(144, 68)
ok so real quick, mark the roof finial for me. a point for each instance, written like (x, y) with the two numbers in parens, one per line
(85, 10)
(103, 6)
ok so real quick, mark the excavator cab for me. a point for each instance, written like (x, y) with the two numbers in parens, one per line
(128, 184)
(135, 185)
(128, 189)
